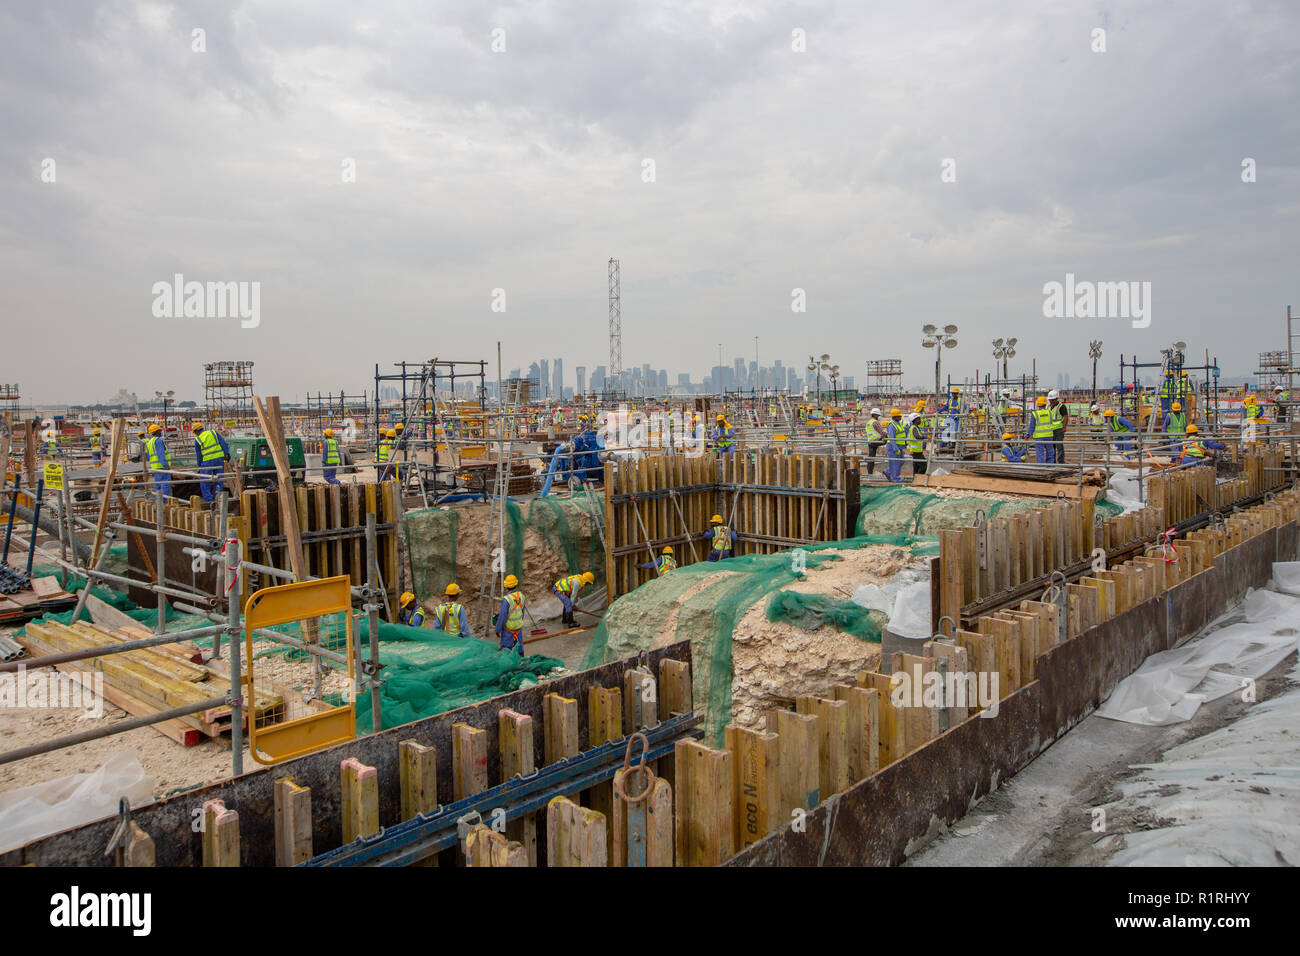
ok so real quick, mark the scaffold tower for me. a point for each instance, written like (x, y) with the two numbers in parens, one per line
(228, 391)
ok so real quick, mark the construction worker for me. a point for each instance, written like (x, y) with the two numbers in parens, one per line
(1280, 397)
(1175, 426)
(211, 452)
(724, 436)
(140, 452)
(952, 411)
(664, 563)
(1184, 390)
(1196, 450)
(329, 457)
(720, 543)
(916, 443)
(156, 455)
(384, 454)
(52, 444)
(567, 588)
(449, 616)
(895, 434)
(409, 610)
(874, 431)
(510, 617)
(1095, 419)
(1042, 429)
(1119, 426)
(1009, 451)
(1168, 390)
(1004, 404)
(1060, 418)
(96, 447)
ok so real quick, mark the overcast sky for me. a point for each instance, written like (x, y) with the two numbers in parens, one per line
(774, 169)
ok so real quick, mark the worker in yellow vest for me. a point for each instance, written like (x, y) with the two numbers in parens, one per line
(211, 452)
(720, 539)
(1195, 450)
(449, 616)
(96, 447)
(875, 432)
(330, 459)
(384, 454)
(664, 563)
(567, 588)
(1042, 429)
(510, 617)
(156, 456)
(409, 611)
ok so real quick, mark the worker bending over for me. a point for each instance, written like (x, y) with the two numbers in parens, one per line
(510, 617)
(410, 611)
(1119, 427)
(449, 616)
(211, 452)
(664, 563)
(1196, 450)
(156, 456)
(719, 539)
(1009, 451)
(567, 588)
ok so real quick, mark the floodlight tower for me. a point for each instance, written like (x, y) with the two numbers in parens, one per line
(615, 323)
(933, 338)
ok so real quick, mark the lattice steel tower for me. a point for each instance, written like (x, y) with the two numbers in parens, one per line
(615, 327)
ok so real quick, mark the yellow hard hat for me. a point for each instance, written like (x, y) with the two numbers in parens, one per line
(954, 389)
(400, 427)
(588, 577)
(196, 426)
(722, 418)
(716, 519)
(895, 413)
(328, 433)
(452, 589)
(140, 433)
(1040, 401)
(1108, 413)
(155, 427)
(406, 598)
(391, 433)
(1177, 406)
(1250, 399)
(1192, 429)
(1183, 374)
(511, 581)
(668, 549)
(1007, 436)
(95, 432)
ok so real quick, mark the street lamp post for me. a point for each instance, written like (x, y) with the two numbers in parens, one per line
(164, 397)
(1094, 353)
(1004, 350)
(934, 338)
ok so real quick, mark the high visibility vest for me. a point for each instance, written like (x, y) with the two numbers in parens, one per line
(873, 431)
(569, 584)
(384, 451)
(1177, 423)
(1058, 422)
(514, 611)
(210, 446)
(1167, 389)
(1096, 419)
(1006, 453)
(96, 443)
(1194, 450)
(914, 441)
(157, 453)
(52, 446)
(448, 615)
(1117, 426)
(1252, 411)
(330, 456)
(721, 538)
(723, 436)
(667, 563)
(1044, 423)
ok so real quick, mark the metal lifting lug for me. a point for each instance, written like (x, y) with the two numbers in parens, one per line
(467, 823)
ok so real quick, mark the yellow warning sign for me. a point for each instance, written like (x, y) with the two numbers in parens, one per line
(53, 476)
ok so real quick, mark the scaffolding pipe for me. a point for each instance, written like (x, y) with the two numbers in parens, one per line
(232, 630)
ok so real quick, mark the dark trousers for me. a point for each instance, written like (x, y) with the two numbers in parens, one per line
(918, 463)
(872, 448)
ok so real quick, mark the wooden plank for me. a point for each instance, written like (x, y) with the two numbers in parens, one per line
(1008, 486)
(864, 724)
(114, 455)
(292, 822)
(892, 742)
(575, 836)
(515, 733)
(704, 828)
(755, 780)
(559, 727)
(468, 760)
(220, 835)
(799, 773)
(360, 801)
(418, 771)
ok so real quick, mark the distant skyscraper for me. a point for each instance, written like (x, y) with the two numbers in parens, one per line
(581, 372)
(557, 378)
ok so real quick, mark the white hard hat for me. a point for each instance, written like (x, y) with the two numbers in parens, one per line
(912, 416)
(1006, 391)
(1094, 408)
(1278, 388)
(1053, 394)
(875, 411)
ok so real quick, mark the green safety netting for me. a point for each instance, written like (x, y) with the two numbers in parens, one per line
(895, 510)
(812, 611)
(708, 617)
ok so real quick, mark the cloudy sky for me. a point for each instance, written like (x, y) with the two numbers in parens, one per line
(790, 146)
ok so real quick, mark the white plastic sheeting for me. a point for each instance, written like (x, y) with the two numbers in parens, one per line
(1122, 490)
(904, 599)
(1232, 796)
(1286, 577)
(32, 812)
(1170, 686)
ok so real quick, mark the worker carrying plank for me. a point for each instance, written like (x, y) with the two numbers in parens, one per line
(510, 617)
(567, 588)
(449, 616)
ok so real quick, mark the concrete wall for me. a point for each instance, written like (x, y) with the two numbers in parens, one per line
(168, 821)
(878, 821)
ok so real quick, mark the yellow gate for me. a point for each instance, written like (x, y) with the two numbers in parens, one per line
(299, 702)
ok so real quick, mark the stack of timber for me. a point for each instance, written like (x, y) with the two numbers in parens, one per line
(46, 596)
(331, 523)
(771, 502)
(146, 680)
